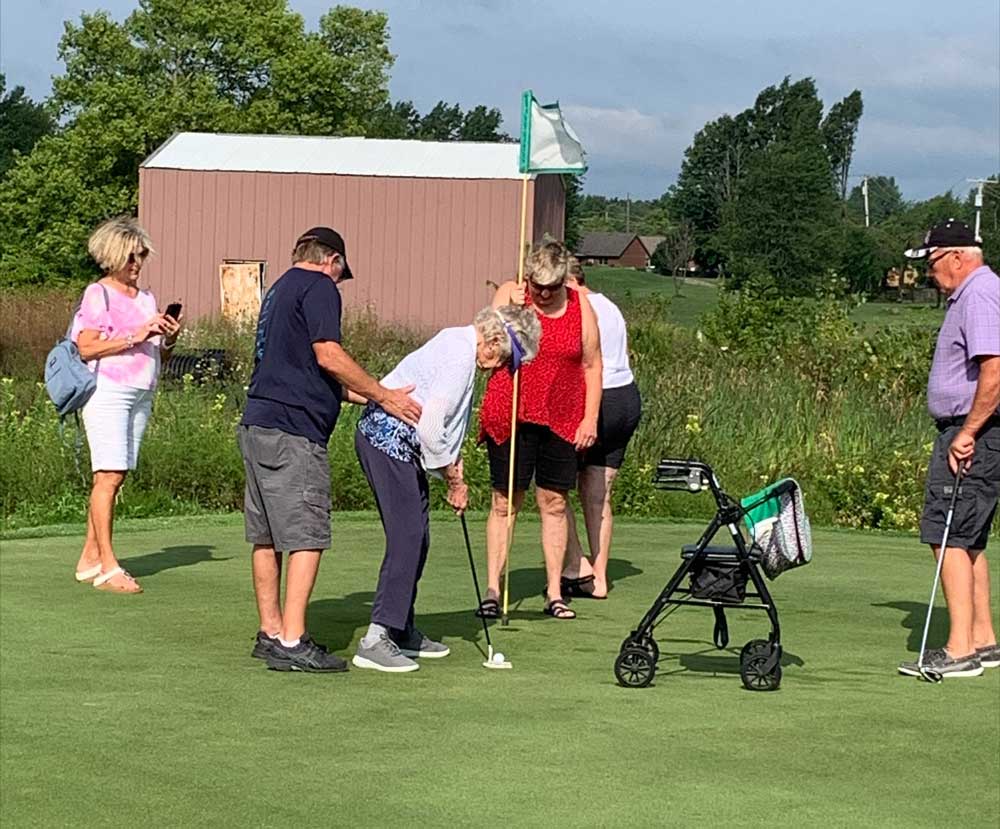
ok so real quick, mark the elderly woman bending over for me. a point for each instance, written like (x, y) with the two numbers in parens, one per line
(396, 458)
(123, 339)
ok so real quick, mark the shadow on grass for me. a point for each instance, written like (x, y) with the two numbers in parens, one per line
(915, 614)
(335, 622)
(710, 660)
(168, 558)
(530, 581)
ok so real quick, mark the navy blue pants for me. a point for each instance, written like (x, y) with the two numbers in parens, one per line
(401, 493)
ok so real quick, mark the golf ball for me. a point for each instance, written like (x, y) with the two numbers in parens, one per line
(498, 658)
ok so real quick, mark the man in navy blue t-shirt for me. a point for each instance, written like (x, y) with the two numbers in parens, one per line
(300, 374)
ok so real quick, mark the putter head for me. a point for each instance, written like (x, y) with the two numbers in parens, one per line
(930, 675)
(494, 665)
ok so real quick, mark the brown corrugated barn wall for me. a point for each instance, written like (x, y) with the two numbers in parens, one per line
(422, 249)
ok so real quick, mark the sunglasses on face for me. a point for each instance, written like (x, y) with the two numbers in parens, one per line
(555, 286)
(932, 262)
(135, 258)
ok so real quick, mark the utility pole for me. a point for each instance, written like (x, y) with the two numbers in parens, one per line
(981, 182)
(628, 212)
(864, 193)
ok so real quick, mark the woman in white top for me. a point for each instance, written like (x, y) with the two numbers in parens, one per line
(396, 458)
(621, 409)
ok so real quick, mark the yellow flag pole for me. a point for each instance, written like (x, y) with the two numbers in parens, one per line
(504, 619)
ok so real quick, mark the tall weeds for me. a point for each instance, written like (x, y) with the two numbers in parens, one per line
(808, 396)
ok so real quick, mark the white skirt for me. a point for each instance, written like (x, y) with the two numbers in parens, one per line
(115, 419)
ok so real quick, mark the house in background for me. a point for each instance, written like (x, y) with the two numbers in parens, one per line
(651, 243)
(621, 250)
(426, 223)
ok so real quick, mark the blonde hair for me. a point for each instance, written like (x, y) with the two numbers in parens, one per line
(547, 263)
(492, 324)
(115, 240)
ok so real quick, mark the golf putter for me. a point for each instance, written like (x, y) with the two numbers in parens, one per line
(490, 661)
(929, 673)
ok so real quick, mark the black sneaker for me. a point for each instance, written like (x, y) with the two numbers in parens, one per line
(263, 645)
(306, 656)
(939, 662)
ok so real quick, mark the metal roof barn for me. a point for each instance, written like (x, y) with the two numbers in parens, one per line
(426, 223)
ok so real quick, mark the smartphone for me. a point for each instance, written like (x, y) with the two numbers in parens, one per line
(174, 310)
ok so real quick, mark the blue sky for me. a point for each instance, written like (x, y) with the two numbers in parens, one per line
(637, 78)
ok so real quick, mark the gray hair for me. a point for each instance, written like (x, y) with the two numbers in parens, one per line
(312, 252)
(492, 324)
(547, 264)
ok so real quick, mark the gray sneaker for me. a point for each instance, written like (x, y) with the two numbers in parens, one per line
(384, 655)
(938, 661)
(989, 657)
(413, 643)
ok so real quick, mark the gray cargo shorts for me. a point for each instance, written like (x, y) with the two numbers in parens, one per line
(977, 495)
(287, 496)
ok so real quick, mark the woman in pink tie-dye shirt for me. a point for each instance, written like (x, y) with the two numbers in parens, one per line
(123, 339)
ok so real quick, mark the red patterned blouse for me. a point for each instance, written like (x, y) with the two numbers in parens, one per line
(553, 390)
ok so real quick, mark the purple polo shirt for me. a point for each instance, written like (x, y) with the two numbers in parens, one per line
(971, 329)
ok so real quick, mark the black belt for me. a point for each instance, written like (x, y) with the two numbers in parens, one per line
(947, 422)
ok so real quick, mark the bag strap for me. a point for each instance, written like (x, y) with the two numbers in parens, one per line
(76, 310)
(79, 305)
(107, 307)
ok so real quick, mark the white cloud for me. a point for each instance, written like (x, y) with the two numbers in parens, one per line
(629, 134)
(911, 62)
(897, 138)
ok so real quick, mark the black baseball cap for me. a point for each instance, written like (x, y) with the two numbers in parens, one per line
(948, 234)
(330, 238)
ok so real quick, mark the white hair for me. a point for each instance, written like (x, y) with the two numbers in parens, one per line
(493, 324)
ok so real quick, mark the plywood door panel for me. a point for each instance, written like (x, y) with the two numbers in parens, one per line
(241, 283)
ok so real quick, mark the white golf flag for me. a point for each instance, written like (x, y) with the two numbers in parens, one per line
(548, 143)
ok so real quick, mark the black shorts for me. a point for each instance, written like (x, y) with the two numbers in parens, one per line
(977, 494)
(541, 454)
(621, 409)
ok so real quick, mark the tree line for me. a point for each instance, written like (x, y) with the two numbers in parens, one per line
(242, 66)
(762, 196)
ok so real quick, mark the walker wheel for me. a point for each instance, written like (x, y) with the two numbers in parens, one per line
(649, 643)
(755, 674)
(635, 667)
(754, 646)
(646, 642)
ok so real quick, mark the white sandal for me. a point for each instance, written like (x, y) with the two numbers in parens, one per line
(103, 582)
(89, 574)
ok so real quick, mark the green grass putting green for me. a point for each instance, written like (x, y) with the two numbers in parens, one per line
(148, 710)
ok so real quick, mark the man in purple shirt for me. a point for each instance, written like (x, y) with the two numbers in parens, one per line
(963, 396)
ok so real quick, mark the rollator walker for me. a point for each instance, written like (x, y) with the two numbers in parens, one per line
(777, 538)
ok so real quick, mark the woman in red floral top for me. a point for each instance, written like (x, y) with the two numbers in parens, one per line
(558, 405)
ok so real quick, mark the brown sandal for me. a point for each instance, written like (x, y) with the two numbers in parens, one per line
(103, 582)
